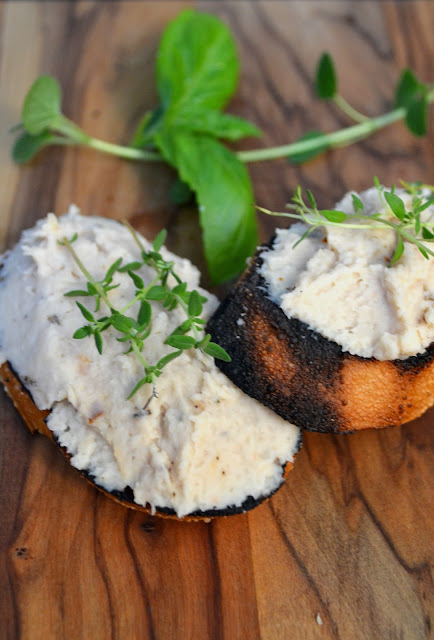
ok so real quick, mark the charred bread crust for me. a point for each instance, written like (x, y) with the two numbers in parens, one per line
(35, 420)
(307, 379)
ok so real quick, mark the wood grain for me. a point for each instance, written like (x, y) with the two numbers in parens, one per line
(350, 536)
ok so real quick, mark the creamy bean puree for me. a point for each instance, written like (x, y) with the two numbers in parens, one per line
(337, 281)
(202, 444)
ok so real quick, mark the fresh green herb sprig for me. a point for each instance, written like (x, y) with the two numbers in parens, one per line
(197, 72)
(407, 223)
(134, 331)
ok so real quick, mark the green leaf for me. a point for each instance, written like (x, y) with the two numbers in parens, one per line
(122, 323)
(98, 341)
(396, 204)
(145, 313)
(398, 251)
(159, 240)
(85, 312)
(138, 282)
(214, 123)
(333, 215)
(42, 105)
(111, 270)
(180, 193)
(91, 289)
(156, 293)
(83, 332)
(224, 193)
(148, 125)
(427, 234)
(131, 266)
(137, 387)
(197, 64)
(27, 146)
(194, 304)
(180, 342)
(407, 89)
(76, 292)
(166, 359)
(217, 352)
(303, 156)
(417, 116)
(326, 83)
(357, 203)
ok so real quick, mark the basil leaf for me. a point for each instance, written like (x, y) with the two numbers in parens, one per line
(217, 124)
(304, 156)
(325, 82)
(180, 193)
(417, 116)
(224, 193)
(42, 105)
(197, 64)
(407, 89)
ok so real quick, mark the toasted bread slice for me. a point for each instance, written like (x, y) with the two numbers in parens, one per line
(308, 379)
(34, 419)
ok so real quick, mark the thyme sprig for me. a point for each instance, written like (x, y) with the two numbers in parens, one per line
(135, 330)
(407, 223)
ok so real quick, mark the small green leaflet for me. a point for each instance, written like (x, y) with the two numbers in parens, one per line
(218, 352)
(417, 116)
(333, 215)
(398, 251)
(27, 146)
(396, 204)
(326, 82)
(159, 240)
(407, 89)
(85, 312)
(195, 304)
(42, 105)
(357, 203)
(180, 341)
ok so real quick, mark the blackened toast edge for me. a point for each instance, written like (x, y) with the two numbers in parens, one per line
(289, 368)
(35, 420)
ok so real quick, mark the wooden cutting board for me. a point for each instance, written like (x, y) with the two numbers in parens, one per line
(345, 549)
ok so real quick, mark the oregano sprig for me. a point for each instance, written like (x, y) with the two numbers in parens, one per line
(406, 222)
(135, 330)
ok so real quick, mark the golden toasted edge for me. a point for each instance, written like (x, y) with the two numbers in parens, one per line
(34, 420)
(307, 379)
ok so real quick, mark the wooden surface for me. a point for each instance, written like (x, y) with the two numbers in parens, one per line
(349, 540)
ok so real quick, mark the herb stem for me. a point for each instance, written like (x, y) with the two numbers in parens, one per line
(336, 139)
(348, 109)
(91, 279)
(130, 153)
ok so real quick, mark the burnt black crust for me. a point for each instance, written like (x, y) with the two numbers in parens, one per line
(307, 405)
(127, 494)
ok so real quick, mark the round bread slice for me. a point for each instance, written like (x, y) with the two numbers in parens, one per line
(35, 421)
(308, 379)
